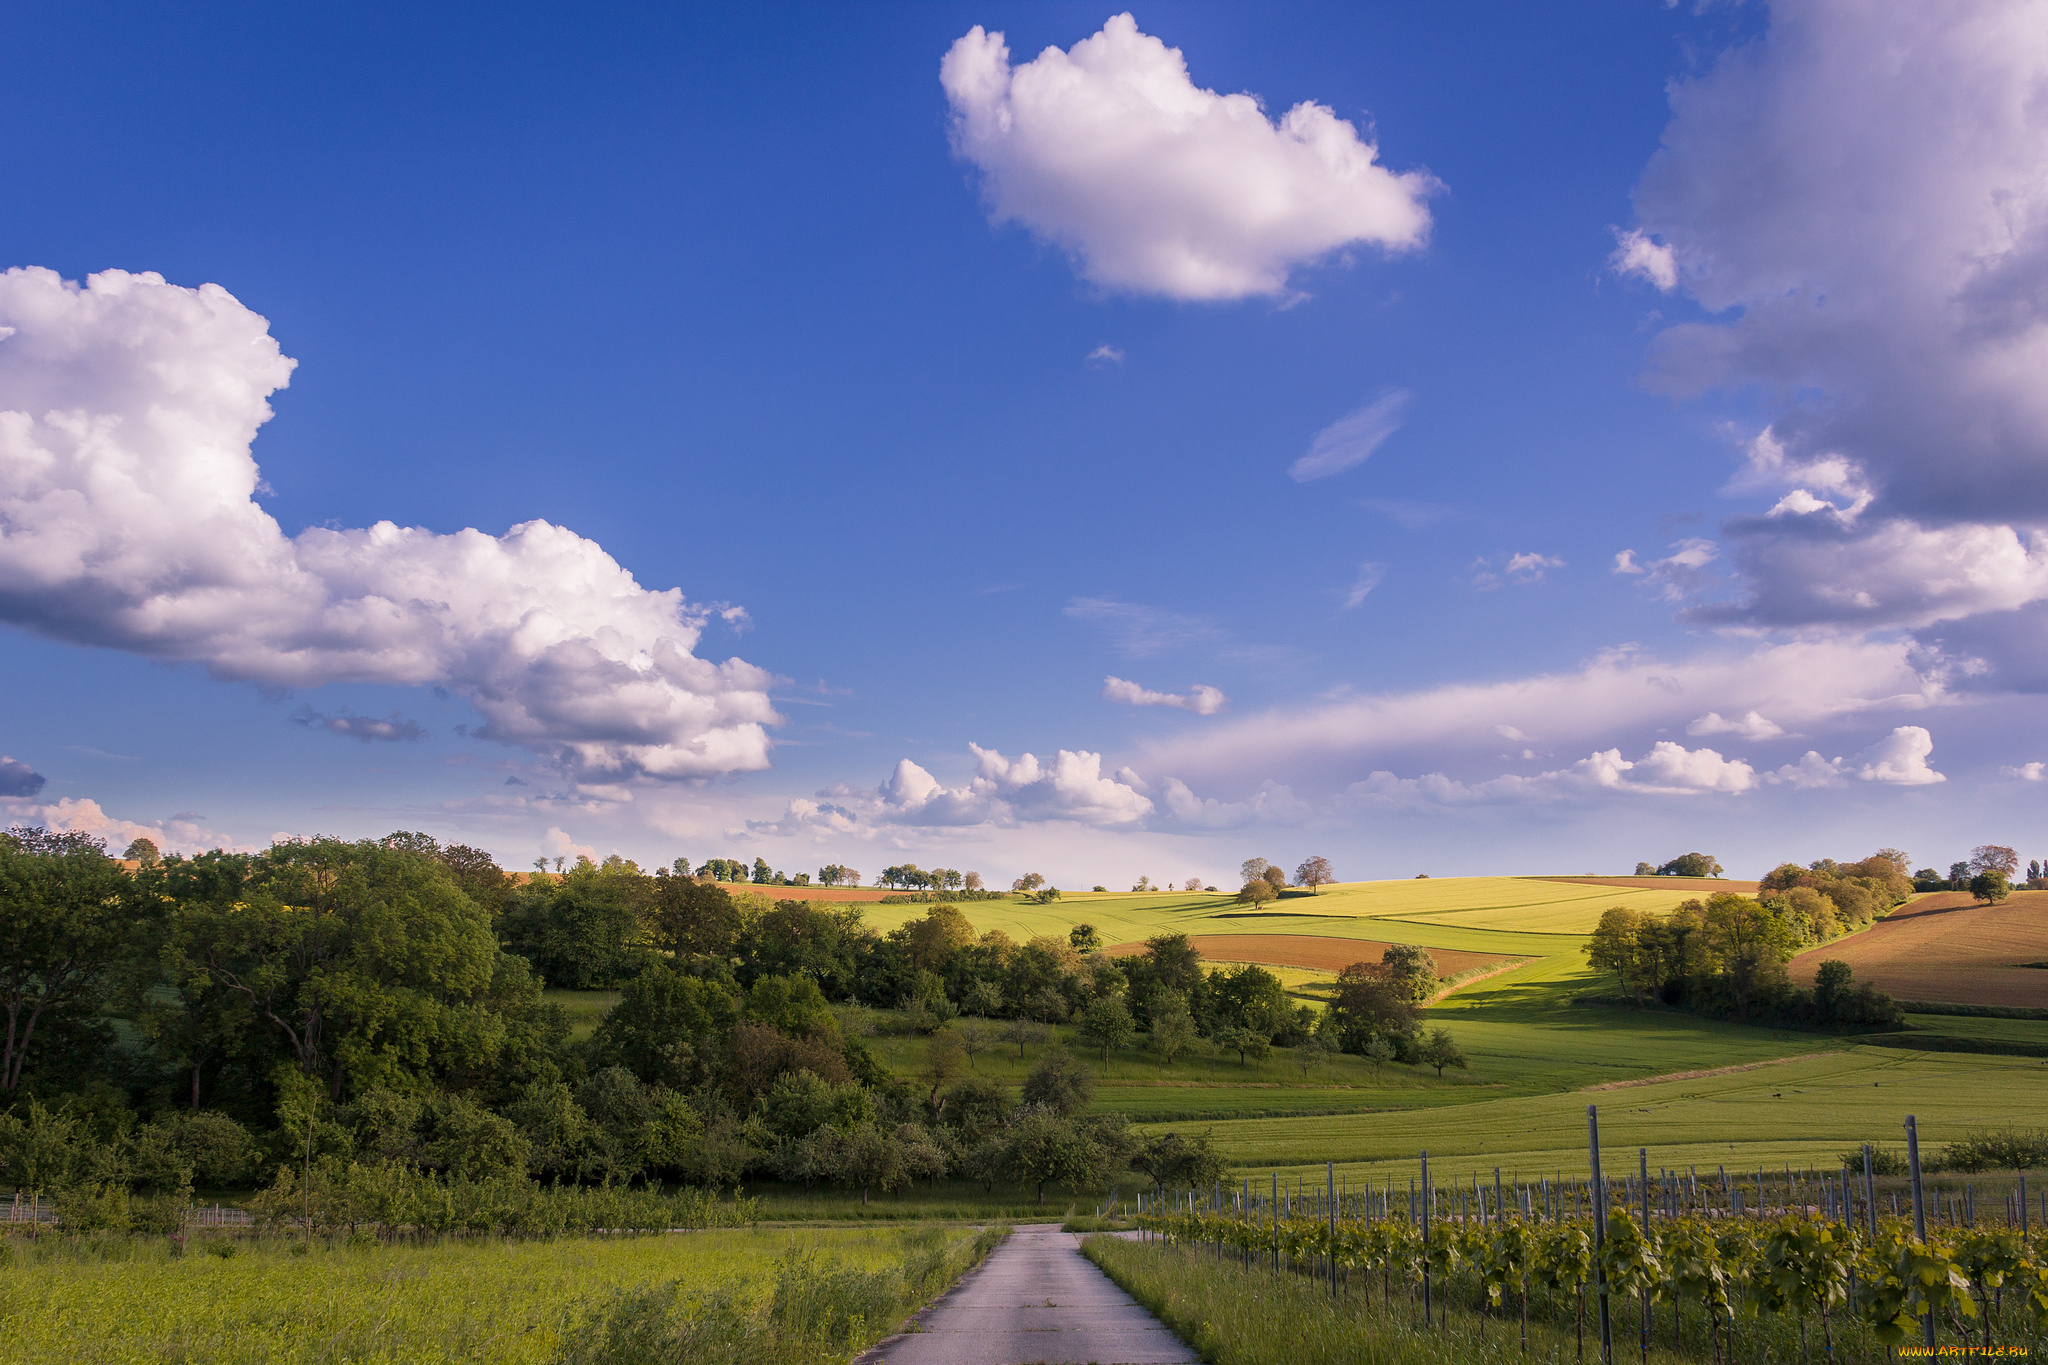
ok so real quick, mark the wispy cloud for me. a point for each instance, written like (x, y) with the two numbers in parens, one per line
(1352, 438)
(1201, 699)
(365, 728)
(1140, 631)
(1106, 354)
(1370, 576)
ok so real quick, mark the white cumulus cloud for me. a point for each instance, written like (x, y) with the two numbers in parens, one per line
(1201, 699)
(1159, 186)
(128, 520)
(1352, 438)
(2026, 772)
(1900, 758)
(1635, 254)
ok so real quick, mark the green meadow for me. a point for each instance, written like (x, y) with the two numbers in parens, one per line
(1535, 1056)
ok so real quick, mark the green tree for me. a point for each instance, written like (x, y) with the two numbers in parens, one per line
(367, 962)
(1044, 1147)
(1276, 878)
(690, 917)
(1314, 873)
(1107, 1023)
(666, 1027)
(1173, 1027)
(1368, 1001)
(870, 1155)
(1060, 1083)
(143, 851)
(1691, 865)
(763, 874)
(1616, 947)
(1748, 942)
(1990, 887)
(1312, 1051)
(1410, 968)
(1378, 1052)
(1030, 881)
(1255, 892)
(1176, 1162)
(1176, 962)
(67, 917)
(1245, 1042)
(1441, 1050)
(1085, 938)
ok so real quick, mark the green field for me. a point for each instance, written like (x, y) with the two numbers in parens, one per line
(475, 1301)
(1524, 904)
(1534, 1054)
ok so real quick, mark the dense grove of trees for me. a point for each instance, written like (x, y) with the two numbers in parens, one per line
(327, 1006)
(1726, 954)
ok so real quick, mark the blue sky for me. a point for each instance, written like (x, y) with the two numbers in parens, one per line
(940, 429)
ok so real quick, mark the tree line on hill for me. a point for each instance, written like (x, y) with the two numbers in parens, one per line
(1725, 955)
(1989, 873)
(326, 1005)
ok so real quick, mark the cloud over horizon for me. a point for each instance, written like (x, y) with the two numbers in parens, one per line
(128, 520)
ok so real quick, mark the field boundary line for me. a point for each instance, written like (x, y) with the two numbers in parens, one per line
(1710, 1071)
(1453, 987)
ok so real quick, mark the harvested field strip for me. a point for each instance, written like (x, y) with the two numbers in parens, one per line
(1710, 1071)
(1943, 947)
(1311, 951)
(1691, 886)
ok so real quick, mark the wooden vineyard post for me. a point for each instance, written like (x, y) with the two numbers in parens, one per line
(1332, 1200)
(1643, 1189)
(1919, 1212)
(1426, 1202)
(1599, 1193)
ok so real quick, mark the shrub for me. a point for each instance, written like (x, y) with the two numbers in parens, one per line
(2000, 1149)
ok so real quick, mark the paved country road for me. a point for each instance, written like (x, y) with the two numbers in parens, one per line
(1036, 1298)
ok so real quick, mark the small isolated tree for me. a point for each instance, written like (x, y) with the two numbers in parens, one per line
(1691, 865)
(1173, 1028)
(1315, 874)
(143, 851)
(1179, 1163)
(1060, 1083)
(1023, 1032)
(1046, 895)
(1245, 1042)
(1144, 884)
(970, 881)
(976, 1037)
(1084, 938)
(1646, 869)
(1378, 1051)
(1256, 892)
(1030, 881)
(1990, 887)
(1441, 1050)
(1252, 869)
(1192, 884)
(1312, 1051)
(1107, 1023)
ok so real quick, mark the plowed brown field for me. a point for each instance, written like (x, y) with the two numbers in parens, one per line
(1311, 951)
(1948, 948)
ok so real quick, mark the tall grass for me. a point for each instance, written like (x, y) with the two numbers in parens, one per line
(820, 1310)
(115, 1299)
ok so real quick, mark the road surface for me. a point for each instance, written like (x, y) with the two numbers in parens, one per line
(1036, 1298)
